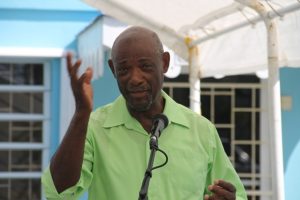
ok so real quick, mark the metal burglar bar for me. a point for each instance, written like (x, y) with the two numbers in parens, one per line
(22, 118)
(233, 104)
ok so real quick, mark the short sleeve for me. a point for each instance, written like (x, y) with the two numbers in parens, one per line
(82, 185)
(221, 167)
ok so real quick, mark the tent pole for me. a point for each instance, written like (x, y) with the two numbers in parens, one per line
(273, 98)
(194, 76)
(275, 109)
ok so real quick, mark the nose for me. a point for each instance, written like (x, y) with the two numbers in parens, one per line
(136, 77)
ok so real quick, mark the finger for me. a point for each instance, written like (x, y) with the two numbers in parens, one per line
(206, 197)
(221, 192)
(226, 185)
(74, 69)
(213, 197)
(69, 62)
(86, 76)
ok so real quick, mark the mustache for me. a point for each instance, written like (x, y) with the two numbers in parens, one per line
(137, 88)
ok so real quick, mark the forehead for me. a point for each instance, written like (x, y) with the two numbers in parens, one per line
(138, 39)
(135, 46)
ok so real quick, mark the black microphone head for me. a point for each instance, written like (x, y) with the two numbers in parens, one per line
(161, 118)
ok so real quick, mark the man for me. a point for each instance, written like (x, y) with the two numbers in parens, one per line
(107, 151)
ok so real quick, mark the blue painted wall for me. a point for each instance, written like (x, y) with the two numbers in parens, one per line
(43, 23)
(290, 86)
(105, 88)
(48, 28)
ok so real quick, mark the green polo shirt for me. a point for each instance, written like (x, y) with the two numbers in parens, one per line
(117, 152)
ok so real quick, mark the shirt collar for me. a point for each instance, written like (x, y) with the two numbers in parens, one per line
(119, 113)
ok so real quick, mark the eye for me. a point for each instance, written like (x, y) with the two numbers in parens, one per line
(147, 66)
(122, 70)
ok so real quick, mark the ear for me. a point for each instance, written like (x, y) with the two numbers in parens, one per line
(166, 61)
(111, 66)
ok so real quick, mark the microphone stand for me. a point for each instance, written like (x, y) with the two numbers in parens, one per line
(148, 174)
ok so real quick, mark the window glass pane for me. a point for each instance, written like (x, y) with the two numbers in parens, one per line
(181, 95)
(243, 158)
(20, 188)
(3, 192)
(222, 109)
(257, 159)
(243, 126)
(26, 160)
(243, 98)
(5, 73)
(4, 156)
(257, 126)
(166, 90)
(36, 189)
(36, 160)
(225, 137)
(4, 131)
(37, 135)
(21, 102)
(24, 102)
(4, 102)
(38, 78)
(257, 98)
(37, 99)
(21, 74)
(21, 131)
(20, 160)
(205, 106)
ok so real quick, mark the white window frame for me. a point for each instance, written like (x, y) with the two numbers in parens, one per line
(44, 117)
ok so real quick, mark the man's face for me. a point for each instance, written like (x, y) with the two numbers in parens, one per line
(139, 67)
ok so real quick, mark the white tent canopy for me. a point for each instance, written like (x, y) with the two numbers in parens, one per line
(177, 20)
(224, 37)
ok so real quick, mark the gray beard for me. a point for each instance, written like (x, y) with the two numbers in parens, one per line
(141, 108)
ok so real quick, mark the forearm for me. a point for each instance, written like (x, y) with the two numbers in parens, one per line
(66, 164)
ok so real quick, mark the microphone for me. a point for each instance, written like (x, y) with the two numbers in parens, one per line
(159, 123)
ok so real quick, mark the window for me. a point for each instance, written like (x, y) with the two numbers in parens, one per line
(233, 104)
(24, 90)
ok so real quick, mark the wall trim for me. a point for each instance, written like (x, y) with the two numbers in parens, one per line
(31, 52)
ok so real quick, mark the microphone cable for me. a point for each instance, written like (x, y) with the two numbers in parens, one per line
(166, 161)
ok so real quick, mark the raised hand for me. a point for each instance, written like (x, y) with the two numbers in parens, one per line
(65, 166)
(81, 86)
(221, 190)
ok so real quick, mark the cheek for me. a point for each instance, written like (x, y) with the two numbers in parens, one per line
(121, 84)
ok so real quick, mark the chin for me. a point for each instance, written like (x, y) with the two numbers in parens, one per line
(140, 107)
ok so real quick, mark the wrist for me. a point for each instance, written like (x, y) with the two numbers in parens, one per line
(82, 113)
